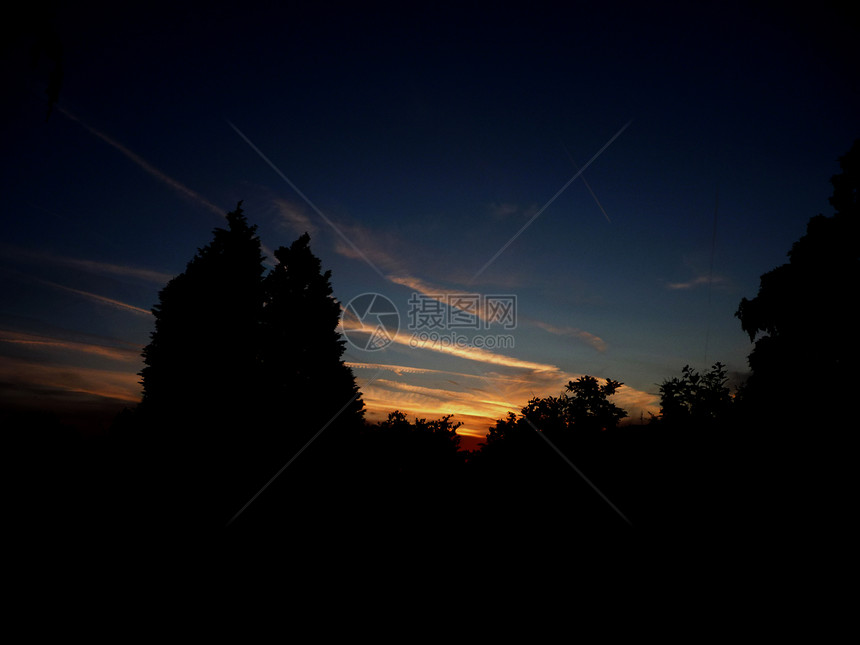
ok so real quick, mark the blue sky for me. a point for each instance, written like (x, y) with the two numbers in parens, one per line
(414, 147)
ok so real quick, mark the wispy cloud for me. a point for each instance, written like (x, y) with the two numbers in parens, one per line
(700, 281)
(572, 332)
(90, 266)
(420, 286)
(344, 237)
(373, 247)
(59, 379)
(396, 270)
(478, 354)
(119, 270)
(293, 217)
(128, 354)
(454, 299)
(94, 297)
(476, 399)
(477, 415)
(398, 369)
(504, 210)
(482, 355)
(432, 393)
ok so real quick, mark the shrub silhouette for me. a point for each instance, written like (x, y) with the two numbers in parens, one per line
(696, 401)
(582, 409)
(543, 463)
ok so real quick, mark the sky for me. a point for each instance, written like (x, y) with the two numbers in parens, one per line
(604, 181)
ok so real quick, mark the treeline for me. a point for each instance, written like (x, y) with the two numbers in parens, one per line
(561, 464)
(252, 425)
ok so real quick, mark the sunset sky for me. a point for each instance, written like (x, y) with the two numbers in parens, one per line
(428, 153)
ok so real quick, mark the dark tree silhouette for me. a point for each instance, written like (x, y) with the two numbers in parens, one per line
(410, 477)
(805, 351)
(540, 467)
(242, 373)
(201, 377)
(415, 450)
(301, 358)
(797, 402)
(696, 401)
(588, 407)
(310, 401)
(582, 409)
(202, 357)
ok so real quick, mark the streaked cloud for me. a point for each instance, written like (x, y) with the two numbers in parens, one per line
(376, 250)
(700, 281)
(572, 332)
(503, 210)
(27, 340)
(90, 266)
(400, 261)
(383, 396)
(94, 297)
(119, 270)
(293, 217)
(398, 369)
(419, 285)
(478, 399)
(446, 296)
(358, 242)
(58, 379)
(469, 353)
(499, 384)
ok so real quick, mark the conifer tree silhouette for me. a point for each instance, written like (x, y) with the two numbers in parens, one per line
(310, 396)
(301, 353)
(203, 352)
(200, 380)
(243, 372)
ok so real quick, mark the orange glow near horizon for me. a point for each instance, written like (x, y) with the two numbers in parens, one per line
(477, 401)
(119, 385)
(47, 342)
(476, 422)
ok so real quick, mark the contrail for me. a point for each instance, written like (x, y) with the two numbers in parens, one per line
(145, 165)
(117, 304)
(155, 172)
